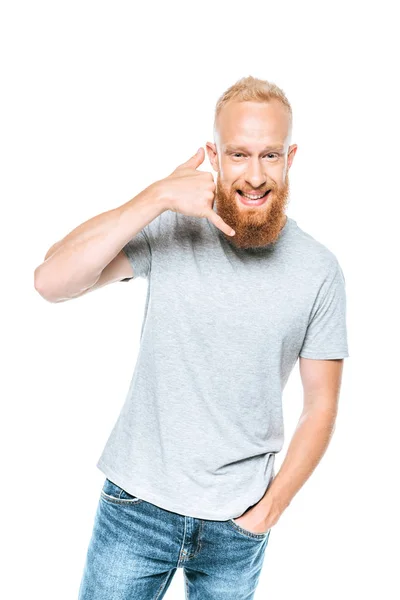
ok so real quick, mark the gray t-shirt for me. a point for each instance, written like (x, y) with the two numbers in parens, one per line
(222, 330)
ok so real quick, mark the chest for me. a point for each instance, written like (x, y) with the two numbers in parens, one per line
(238, 302)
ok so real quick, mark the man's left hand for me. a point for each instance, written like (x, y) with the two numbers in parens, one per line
(260, 517)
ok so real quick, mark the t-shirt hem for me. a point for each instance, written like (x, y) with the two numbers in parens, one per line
(324, 355)
(163, 503)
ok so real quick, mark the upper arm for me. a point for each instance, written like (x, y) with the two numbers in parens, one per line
(321, 380)
(118, 269)
(132, 261)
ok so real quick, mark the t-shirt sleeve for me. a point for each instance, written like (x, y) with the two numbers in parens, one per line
(326, 335)
(138, 251)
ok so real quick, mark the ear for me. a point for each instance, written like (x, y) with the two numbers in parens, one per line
(291, 154)
(212, 155)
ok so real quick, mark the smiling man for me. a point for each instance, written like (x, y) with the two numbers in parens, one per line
(238, 293)
(252, 156)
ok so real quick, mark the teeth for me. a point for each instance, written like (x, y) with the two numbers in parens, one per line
(252, 197)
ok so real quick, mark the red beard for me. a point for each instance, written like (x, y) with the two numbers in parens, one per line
(254, 226)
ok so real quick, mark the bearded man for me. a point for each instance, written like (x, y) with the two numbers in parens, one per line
(237, 293)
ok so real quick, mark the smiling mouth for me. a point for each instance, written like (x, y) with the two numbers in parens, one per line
(253, 197)
(253, 200)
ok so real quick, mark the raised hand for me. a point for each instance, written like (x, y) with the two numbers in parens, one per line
(191, 192)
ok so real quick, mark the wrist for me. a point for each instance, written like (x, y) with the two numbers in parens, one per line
(160, 194)
(279, 497)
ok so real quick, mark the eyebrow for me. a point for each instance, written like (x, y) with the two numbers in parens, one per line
(232, 148)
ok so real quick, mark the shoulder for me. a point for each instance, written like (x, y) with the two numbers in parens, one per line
(313, 253)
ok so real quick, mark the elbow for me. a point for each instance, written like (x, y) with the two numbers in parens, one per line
(42, 287)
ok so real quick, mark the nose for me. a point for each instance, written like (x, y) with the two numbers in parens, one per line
(254, 174)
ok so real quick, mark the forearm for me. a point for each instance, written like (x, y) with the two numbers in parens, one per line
(309, 442)
(75, 263)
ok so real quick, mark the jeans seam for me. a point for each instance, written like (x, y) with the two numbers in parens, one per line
(162, 586)
(186, 585)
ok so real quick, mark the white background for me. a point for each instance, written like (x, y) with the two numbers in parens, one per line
(100, 99)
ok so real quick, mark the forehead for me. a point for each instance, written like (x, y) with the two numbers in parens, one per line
(247, 123)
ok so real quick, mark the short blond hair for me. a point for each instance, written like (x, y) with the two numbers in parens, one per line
(254, 90)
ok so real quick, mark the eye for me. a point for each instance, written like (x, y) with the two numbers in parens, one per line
(237, 153)
(273, 154)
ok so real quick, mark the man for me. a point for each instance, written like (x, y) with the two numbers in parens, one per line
(189, 464)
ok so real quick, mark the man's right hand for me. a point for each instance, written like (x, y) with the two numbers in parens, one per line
(192, 192)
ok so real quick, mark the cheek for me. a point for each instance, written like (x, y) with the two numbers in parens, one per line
(277, 174)
(233, 176)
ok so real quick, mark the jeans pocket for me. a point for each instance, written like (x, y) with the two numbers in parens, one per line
(247, 532)
(111, 492)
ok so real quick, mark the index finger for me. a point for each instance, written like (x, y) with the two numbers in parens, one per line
(219, 222)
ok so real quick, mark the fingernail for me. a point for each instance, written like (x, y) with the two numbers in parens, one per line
(232, 232)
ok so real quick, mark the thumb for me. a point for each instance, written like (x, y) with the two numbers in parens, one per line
(195, 160)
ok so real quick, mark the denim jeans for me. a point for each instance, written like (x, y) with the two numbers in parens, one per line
(136, 548)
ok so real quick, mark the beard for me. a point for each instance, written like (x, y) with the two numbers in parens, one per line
(254, 226)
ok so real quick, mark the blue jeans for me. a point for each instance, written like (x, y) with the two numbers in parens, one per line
(136, 548)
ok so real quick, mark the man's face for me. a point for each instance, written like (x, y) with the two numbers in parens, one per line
(251, 156)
